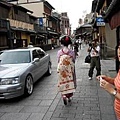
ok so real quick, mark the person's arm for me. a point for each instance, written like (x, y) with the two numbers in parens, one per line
(106, 78)
(96, 49)
(109, 79)
(117, 95)
(73, 56)
(58, 56)
(109, 88)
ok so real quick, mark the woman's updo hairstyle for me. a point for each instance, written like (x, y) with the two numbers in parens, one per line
(66, 41)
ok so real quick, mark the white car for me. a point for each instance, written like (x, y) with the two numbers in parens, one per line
(20, 69)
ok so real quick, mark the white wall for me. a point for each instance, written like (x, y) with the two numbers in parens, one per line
(37, 8)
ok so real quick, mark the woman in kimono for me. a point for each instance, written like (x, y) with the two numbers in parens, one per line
(66, 70)
(112, 86)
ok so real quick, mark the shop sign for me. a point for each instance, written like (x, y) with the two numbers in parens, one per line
(100, 21)
(41, 22)
(19, 24)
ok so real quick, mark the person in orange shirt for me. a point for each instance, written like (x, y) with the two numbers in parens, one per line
(112, 86)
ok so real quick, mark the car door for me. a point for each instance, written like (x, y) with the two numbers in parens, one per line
(36, 65)
(43, 60)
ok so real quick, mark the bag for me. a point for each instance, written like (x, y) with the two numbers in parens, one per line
(88, 59)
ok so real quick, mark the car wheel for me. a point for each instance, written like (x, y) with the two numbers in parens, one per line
(49, 71)
(28, 85)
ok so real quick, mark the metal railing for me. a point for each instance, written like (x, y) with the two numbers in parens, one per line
(106, 50)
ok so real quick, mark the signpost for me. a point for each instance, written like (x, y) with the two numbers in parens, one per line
(100, 21)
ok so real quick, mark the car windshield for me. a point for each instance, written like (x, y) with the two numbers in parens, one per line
(14, 57)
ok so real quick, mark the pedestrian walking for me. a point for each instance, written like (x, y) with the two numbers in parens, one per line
(112, 86)
(76, 49)
(80, 42)
(66, 70)
(94, 50)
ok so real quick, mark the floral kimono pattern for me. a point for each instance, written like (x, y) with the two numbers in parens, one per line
(65, 72)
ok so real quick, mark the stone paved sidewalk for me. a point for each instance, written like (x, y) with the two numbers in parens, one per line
(90, 102)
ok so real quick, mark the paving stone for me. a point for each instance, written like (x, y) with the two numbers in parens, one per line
(15, 116)
(36, 116)
(89, 102)
(34, 109)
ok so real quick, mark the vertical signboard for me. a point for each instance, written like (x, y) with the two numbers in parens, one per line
(41, 22)
(100, 21)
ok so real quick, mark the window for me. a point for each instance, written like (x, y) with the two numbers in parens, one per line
(35, 54)
(15, 57)
(38, 54)
(41, 53)
(3, 40)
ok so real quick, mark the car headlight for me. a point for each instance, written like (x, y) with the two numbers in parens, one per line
(8, 81)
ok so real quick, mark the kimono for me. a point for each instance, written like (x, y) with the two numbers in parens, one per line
(66, 72)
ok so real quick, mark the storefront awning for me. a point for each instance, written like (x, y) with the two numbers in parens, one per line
(112, 9)
(23, 30)
(115, 21)
(53, 33)
(113, 14)
(42, 36)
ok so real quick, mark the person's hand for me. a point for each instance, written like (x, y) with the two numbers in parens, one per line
(107, 86)
(100, 76)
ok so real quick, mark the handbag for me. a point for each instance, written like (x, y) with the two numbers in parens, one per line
(88, 59)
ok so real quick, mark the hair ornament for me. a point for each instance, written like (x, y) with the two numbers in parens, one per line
(66, 38)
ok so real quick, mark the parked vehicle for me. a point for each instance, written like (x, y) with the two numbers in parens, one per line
(20, 69)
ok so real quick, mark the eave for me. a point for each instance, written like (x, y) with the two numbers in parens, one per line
(112, 9)
(99, 5)
(3, 3)
(22, 8)
(48, 5)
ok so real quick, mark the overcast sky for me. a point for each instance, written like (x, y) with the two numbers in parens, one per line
(75, 9)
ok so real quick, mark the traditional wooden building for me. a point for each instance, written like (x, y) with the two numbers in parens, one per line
(5, 42)
(84, 31)
(112, 17)
(106, 35)
(49, 23)
(110, 33)
(17, 24)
